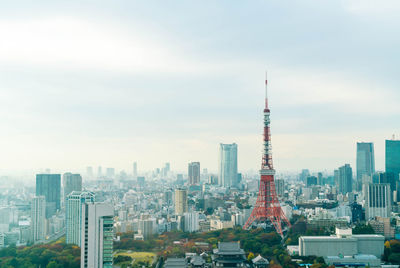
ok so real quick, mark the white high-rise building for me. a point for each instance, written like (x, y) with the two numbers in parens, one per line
(228, 171)
(38, 218)
(377, 200)
(134, 170)
(71, 182)
(97, 235)
(191, 222)
(73, 214)
(181, 205)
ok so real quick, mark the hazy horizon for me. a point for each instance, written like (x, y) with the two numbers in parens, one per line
(167, 81)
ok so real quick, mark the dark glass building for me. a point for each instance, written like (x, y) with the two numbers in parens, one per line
(365, 161)
(49, 185)
(392, 157)
(345, 179)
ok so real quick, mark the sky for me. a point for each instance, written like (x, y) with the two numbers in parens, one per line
(89, 83)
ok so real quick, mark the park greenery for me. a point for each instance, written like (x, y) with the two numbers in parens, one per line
(54, 255)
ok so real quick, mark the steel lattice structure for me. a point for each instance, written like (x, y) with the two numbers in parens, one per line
(267, 207)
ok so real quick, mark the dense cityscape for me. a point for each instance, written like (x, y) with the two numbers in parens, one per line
(199, 134)
(160, 218)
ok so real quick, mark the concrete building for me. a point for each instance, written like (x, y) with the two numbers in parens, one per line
(147, 227)
(38, 219)
(383, 227)
(97, 235)
(344, 243)
(181, 202)
(280, 187)
(191, 223)
(365, 161)
(377, 200)
(71, 182)
(73, 214)
(49, 186)
(228, 174)
(194, 173)
(134, 170)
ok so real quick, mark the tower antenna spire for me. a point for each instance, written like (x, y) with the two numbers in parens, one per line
(267, 207)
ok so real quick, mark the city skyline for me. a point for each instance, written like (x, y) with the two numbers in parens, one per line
(63, 107)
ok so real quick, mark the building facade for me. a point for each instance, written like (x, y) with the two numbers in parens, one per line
(181, 202)
(227, 168)
(73, 214)
(97, 235)
(365, 161)
(38, 218)
(392, 157)
(71, 182)
(49, 186)
(345, 179)
(377, 200)
(194, 173)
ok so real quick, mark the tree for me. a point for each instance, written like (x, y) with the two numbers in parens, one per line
(250, 256)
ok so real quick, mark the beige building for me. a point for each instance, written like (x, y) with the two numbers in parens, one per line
(181, 204)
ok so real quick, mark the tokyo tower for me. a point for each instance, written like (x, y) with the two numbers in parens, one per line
(267, 207)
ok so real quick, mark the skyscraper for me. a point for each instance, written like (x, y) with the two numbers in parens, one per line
(365, 161)
(97, 235)
(345, 179)
(228, 165)
(89, 172)
(49, 185)
(181, 205)
(71, 182)
(194, 173)
(134, 171)
(377, 200)
(38, 217)
(392, 157)
(73, 213)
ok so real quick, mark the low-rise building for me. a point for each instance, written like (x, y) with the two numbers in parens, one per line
(344, 243)
(228, 254)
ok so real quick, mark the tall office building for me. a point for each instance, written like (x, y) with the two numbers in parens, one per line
(99, 172)
(345, 179)
(110, 172)
(38, 218)
(181, 204)
(377, 200)
(134, 171)
(280, 187)
(71, 182)
(194, 173)
(97, 235)
(392, 157)
(89, 172)
(49, 186)
(191, 222)
(73, 213)
(228, 171)
(365, 161)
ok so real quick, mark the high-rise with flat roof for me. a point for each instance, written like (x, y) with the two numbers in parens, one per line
(49, 186)
(228, 170)
(194, 173)
(377, 200)
(38, 218)
(345, 179)
(181, 205)
(97, 235)
(71, 182)
(73, 213)
(365, 161)
(392, 157)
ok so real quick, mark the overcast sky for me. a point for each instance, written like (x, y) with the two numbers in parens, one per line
(89, 83)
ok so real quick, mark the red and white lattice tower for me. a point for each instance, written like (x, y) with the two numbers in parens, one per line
(267, 207)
